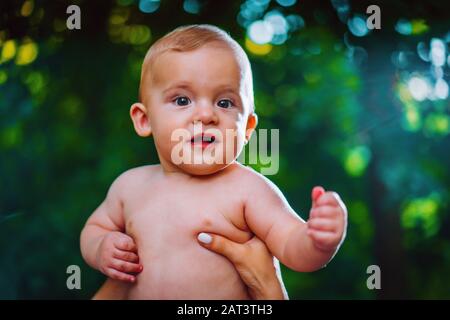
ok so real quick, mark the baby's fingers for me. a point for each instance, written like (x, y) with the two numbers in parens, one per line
(117, 275)
(125, 243)
(323, 240)
(125, 255)
(324, 212)
(322, 224)
(332, 199)
(124, 266)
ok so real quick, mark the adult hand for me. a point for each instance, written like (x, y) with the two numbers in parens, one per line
(254, 263)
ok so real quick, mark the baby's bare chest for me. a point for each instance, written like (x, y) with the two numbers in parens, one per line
(165, 219)
(174, 215)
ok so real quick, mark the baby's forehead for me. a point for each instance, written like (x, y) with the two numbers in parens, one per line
(209, 51)
(208, 62)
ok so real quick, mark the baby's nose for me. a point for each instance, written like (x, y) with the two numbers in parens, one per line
(205, 113)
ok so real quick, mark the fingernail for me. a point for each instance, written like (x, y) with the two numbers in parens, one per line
(204, 237)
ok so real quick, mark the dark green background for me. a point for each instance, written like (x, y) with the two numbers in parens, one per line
(347, 121)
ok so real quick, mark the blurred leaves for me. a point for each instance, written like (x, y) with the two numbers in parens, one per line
(65, 132)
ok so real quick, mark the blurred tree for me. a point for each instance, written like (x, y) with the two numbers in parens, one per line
(365, 113)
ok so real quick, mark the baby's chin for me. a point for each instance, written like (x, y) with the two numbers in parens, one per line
(202, 169)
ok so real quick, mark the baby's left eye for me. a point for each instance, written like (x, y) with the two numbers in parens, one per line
(225, 103)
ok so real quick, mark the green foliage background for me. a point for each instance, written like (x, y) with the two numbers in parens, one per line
(347, 116)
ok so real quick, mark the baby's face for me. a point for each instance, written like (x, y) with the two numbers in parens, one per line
(198, 109)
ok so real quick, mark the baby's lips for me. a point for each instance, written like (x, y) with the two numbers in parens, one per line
(203, 137)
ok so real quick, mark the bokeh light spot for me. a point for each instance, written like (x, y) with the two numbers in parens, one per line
(138, 34)
(356, 160)
(119, 16)
(27, 8)
(437, 52)
(357, 26)
(295, 22)
(404, 27)
(191, 6)
(419, 88)
(149, 6)
(286, 3)
(441, 89)
(8, 51)
(422, 213)
(412, 118)
(419, 26)
(423, 51)
(26, 53)
(11, 136)
(35, 82)
(437, 124)
(260, 32)
(257, 49)
(3, 77)
(413, 27)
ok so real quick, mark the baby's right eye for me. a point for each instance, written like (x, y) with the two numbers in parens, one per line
(181, 101)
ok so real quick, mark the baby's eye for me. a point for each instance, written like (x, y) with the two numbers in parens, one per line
(181, 101)
(225, 103)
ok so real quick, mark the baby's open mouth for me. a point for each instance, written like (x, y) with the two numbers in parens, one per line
(203, 139)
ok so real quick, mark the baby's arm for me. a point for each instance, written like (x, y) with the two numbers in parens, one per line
(301, 246)
(104, 245)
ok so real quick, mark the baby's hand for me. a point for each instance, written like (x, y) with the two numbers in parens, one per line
(117, 257)
(327, 222)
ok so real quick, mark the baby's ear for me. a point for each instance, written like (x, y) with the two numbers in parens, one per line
(252, 122)
(141, 121)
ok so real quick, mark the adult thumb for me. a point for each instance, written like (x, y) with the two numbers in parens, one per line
(220, 245)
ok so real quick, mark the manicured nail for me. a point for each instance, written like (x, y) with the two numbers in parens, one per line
(204, 237)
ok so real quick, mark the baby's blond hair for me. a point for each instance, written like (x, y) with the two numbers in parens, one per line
(191, 37)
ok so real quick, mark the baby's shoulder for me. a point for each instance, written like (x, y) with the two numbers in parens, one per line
(135, 177)
(252, 180)
(142, 172)
(257, 187)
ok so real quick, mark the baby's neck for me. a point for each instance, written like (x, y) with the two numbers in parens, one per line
(171, 170)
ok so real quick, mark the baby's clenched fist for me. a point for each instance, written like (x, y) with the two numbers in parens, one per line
(327, 222)
(117, 257)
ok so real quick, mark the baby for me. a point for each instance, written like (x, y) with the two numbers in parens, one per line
(197, 80)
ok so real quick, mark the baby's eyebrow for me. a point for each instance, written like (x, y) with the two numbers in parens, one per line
(177, 86)
(221, 89)
(229, 89)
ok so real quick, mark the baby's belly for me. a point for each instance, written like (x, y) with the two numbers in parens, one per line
(186, 272)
